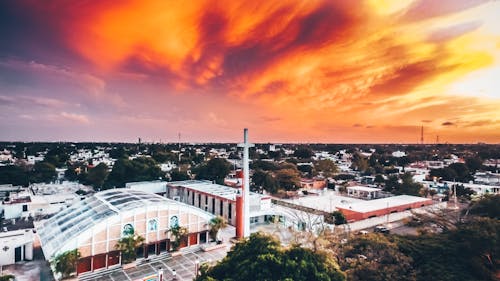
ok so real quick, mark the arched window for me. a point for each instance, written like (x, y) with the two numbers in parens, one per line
(174, 221)
(153, 225)
(127, 230)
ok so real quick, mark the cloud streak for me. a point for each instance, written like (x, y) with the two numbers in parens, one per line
(299, 65)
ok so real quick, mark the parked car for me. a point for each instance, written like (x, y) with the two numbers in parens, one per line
(381, 229)
(362, 232)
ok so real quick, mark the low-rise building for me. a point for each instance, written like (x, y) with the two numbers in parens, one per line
(217, 199)
(380, 207)
(16, 245)
(363, 192)
(313, 184)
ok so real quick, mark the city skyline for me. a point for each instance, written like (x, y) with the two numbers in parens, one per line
(290, 71)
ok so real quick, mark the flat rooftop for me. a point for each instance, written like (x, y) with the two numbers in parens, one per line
(327, 201)
(377, 204)
(208, 187)
(364, 188)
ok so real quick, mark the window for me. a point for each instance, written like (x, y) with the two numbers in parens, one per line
(25, 208)
(213, 205)
(127, 230)
(229, 211)
(153, 225)
(192, 199)
(199, 200)
(174, 221)
(221, 208)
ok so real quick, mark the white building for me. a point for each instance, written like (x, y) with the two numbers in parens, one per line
(363, 192)
(32, 159)
(398, 154)
(487, 178)
(217, 199)
(16, 246)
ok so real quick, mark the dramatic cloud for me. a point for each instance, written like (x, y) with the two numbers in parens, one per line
(290, 70)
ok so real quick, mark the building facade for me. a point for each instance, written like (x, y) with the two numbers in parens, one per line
(219, 200)
(94, 226)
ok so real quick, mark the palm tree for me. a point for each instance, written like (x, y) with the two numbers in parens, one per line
(180, 234)
(127, 245)
(217, 223)
(65, 263)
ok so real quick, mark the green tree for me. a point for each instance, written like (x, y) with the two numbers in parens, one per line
(306, 170)
(408, 186)
(215, 169)
(487, 206)
(180, 234)
(325, 167)
(163, 157)
(468, 251)
(359, 163)
(57, 157)
(14, 175)
(97, 175)
(474, 164)
(128, 245)
(288, 179)
(139, 169)
(264, 165)
(261, 257)
(65, 263)
(216, 224)
(374, 257)
(339, 218)
(8, 277)
(264, 180)
(176, 175)
(303, 152)
(43, 172)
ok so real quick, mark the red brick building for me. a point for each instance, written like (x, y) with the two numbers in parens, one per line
(381, 207)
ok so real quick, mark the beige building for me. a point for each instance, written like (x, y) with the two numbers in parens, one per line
(94, 226)
(219, 200)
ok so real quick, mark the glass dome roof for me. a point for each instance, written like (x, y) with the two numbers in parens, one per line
(81, 216)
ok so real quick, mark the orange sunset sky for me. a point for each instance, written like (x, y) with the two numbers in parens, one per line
(290, 71)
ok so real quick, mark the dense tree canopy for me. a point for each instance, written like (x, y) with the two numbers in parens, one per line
(264, 180)
(139, 169)
(325, 167)
(454, 172)
(261, 257)
(15, 175)
(288, 179)
(215, 169)
(97, 175)
(303, 152)
(374, 257)
(43, 172)
(176, 175)
(488, 206)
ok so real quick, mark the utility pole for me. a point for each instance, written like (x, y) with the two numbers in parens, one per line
(179, 162)
(422, 135)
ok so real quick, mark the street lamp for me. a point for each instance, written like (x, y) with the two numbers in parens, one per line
(196, 266)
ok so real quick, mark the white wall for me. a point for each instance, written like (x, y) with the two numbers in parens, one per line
(10, 240)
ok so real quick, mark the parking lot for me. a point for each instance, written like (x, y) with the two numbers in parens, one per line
(181, 267)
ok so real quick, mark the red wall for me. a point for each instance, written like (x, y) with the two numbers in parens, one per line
(356, 216)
